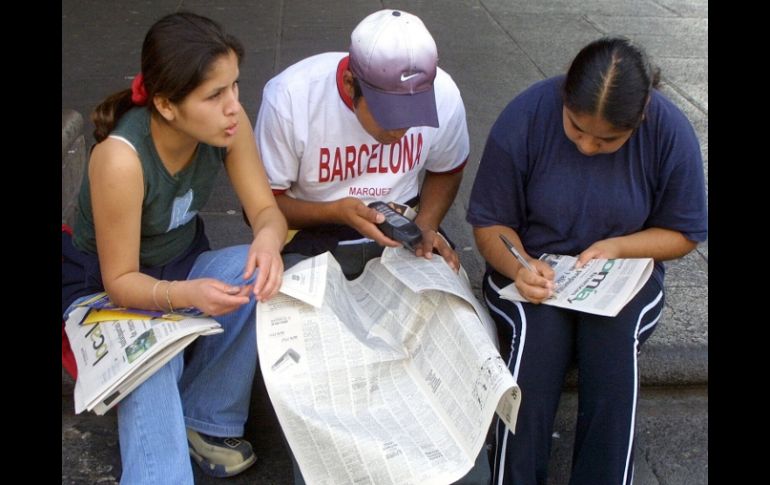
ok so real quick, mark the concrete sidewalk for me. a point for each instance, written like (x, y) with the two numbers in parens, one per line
(493, 49)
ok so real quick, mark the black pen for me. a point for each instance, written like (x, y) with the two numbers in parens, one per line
(517, 254)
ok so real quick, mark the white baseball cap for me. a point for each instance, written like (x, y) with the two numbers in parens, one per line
(394, 58)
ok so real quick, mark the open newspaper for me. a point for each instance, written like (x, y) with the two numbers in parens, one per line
(601, 287)
(392, 378)
(118, 349)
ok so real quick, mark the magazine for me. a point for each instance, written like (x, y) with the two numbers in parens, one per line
(601, 286)
(116, 349)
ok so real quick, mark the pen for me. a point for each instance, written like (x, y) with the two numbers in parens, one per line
(517, 254)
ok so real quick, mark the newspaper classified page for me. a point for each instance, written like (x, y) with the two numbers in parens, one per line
(378, 383)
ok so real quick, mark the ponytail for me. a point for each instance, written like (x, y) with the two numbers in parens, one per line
(107, 114)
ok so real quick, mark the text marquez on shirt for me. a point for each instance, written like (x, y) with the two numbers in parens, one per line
(401, 156)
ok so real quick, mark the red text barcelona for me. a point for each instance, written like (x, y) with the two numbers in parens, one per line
(354, 161)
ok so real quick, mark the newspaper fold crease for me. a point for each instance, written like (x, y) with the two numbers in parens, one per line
(393, 378)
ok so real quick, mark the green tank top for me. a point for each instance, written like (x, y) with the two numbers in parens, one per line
(170, 202)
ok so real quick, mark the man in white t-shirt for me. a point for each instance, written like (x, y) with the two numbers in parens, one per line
(339, 130)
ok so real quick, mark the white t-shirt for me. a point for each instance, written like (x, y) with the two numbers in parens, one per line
(314, 148)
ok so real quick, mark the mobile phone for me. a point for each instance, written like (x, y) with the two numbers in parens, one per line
(397, 226)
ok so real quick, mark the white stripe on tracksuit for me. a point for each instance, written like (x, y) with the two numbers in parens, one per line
(644, 311)
(501, 468)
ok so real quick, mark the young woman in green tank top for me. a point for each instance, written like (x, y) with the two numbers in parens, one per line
(138, 236)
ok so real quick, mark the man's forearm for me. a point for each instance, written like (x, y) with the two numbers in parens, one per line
(301, 213)
(436, 197)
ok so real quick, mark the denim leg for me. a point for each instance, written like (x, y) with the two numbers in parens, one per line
(151, 431)
(216, 383)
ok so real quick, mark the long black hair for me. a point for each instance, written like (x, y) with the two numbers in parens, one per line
(611, 78)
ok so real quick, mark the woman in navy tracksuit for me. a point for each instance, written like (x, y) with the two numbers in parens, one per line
(596, 164)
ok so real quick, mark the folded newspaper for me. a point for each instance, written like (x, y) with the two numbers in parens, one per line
(117, 349)
(392, 378)
(601, 286)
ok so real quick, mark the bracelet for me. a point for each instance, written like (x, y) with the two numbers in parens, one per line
(154, 299)
(168, 297)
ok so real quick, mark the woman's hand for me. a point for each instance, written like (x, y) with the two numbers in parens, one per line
(535, 287)
(431, 240)
(654, 242)
(265, 254)
(604, 249)
(208, 295)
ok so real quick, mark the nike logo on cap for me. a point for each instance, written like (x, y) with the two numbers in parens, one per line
(406, 78)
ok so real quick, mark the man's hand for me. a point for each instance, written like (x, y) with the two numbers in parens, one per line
(431, 240)
(363, 219)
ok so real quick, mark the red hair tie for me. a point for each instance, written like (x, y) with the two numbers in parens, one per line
(138, 93)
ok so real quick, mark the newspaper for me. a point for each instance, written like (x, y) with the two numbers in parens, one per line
(114, 356)
(601, 287)
(392, 378)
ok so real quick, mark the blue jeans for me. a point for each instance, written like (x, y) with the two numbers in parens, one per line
(207, 389)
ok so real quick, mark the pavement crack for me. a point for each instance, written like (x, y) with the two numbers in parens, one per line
(667, 8)
(494, 20)
(681, 92)
(278, 37)
(593, 24)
